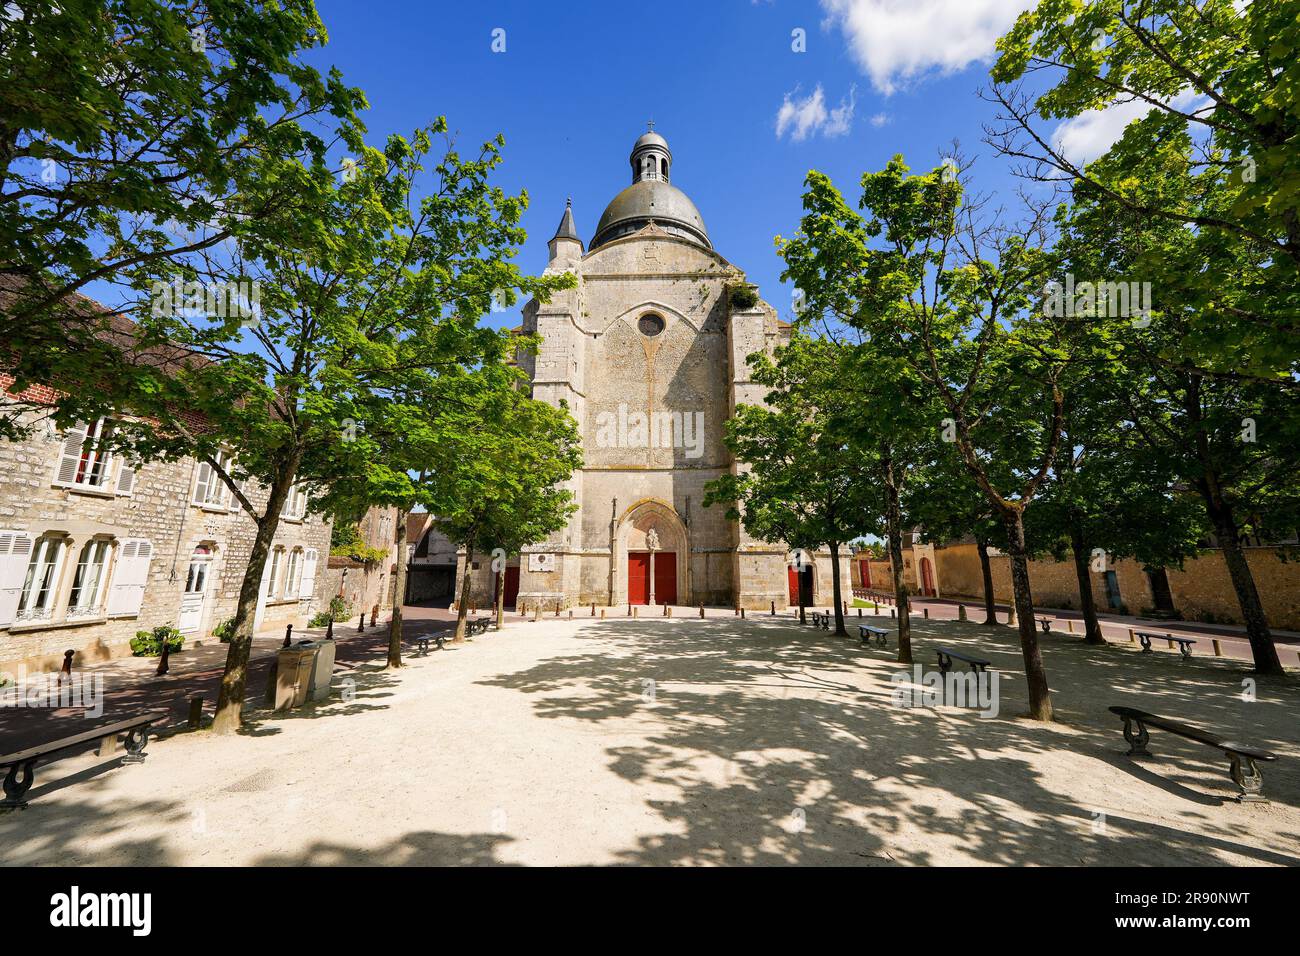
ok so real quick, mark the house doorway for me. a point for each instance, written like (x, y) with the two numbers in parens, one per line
(193, 598)
(665, 577)
(1161, 596)
(512, 587)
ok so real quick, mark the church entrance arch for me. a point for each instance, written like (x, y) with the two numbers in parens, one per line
(651, 556)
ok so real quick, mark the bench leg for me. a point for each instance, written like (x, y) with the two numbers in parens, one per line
(17, 782)
(1187, 650)
(135, 742)
(1137, 742)
(1248, 778)
(944, 665)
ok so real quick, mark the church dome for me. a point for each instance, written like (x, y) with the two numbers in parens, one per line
(651, 198)
(669, 208)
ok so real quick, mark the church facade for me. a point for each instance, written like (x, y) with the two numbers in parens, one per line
(648, 351)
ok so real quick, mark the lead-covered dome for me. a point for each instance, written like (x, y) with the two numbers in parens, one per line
(651, 198)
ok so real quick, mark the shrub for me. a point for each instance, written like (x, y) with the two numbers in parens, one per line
(339, 610)
(743, 296)
(225, 630)
(150, 643)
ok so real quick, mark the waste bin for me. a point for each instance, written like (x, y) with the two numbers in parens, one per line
(293, 675)
(322, 669)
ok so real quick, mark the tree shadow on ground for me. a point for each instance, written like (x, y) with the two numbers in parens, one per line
(781, 745)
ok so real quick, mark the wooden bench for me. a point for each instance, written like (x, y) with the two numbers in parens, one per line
(1241, 767)
(21, 766)
(867, 632)
(947, 656)
(1184, 643)
(422, 642)
(477, 625)
(822, 620)
(1046, 624)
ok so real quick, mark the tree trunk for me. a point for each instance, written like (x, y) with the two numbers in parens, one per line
(798, 587)
(1262, 648)
(399, 592)
(1040, 697)
(894, 532)
(1079, 544)
(501, 596)
(230, 696)
(835, 589)
(462, 611)
(986, 569)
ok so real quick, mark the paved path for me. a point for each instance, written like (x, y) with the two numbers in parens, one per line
(656, 741)
(131, 687)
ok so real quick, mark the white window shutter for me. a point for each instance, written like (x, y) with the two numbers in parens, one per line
(15, 553)
(126, 479)
(131, 574)
(308, 584)
(203, 482)
(74, 439)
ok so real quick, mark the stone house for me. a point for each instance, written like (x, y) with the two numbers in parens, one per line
(367, 586)
(95, 547)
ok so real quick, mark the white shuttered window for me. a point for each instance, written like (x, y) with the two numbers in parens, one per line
(131, 574)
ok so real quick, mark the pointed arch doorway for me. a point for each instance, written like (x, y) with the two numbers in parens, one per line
(651, 553)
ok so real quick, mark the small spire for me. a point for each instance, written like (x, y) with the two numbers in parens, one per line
(567, 229)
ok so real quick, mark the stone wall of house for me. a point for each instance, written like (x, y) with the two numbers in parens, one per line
(1201, 590)
(157, 509)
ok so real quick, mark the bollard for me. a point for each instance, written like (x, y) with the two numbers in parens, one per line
(1069, 626)
(634, 611)
(602, 614)
(961, 612)
(593, 610)
(774, 609)
(736, 612)
(361, 622)
(629, 610)
(1132, 639)
(1218, 651)
(66, 670)
(1171, 643)
(163, 664)
(570, 614)
(859, 612)
(196, 713)
(288, 634)
(875, 609)
(845, 608)
(329, 630)
(668, 611)
(557, 608)
(926, 612)
(374, 614)
(701, 610)
(537, 611)
(742, 613)
(891, 612)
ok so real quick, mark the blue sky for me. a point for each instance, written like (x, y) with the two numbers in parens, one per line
(578, 80)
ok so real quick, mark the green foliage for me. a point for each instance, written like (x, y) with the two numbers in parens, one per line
(224, 631)
(131, 134)
(150, 643)
(743, 296)
(346, 541)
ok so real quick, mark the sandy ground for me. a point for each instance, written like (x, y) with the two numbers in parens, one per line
(693, 742)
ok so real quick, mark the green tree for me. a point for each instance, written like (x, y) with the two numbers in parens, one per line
(370, 289)
(802, 481)
(502, 488)
(129, 134)
(1214, 87)
(951, 293)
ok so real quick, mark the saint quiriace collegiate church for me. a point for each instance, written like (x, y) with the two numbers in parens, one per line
(649, 352)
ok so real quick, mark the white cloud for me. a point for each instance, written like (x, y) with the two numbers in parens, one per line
(808, 116)
(879, 120)
(1083, 138)
(897, 41)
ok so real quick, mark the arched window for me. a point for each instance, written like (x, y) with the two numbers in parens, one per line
(650, 324)
(663, 169)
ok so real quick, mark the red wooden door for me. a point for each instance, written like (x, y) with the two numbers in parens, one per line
(927, 577)
(638, 577)
(865, 573)
(512, 586)
(792, 583)
(665, 577)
